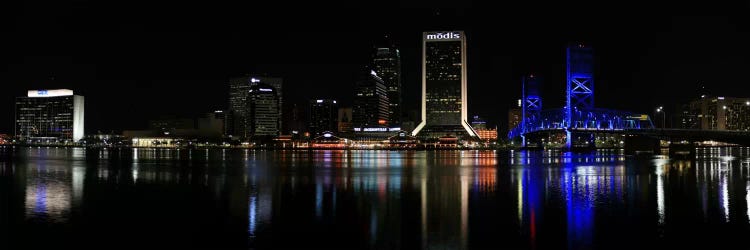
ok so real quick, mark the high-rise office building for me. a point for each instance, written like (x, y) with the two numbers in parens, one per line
(236, 123)
(297, 118)
(50, 115)
(371, 108)
(387, 64)
(263, 111)
(239, 87)
(444, 102)
(323, 116)
(717, 113)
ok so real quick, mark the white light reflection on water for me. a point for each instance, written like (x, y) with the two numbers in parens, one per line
(661, 165)
(723, 182)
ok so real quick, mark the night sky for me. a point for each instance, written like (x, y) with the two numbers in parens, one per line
(137, 60)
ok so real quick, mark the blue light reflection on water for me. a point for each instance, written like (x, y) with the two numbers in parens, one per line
(383, 198)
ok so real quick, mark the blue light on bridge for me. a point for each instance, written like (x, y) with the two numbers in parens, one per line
(579, 113)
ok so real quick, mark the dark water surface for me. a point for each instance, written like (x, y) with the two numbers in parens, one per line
(59, 198)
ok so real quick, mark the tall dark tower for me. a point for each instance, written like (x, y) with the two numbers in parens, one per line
(387, 65)
(238, 91)
(323, 116)
(370, 101)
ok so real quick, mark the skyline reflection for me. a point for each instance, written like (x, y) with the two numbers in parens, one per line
(388, 199)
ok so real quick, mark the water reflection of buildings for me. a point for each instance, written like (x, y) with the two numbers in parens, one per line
(408, 199)
(394, 193)
(579, 182)
(51, 188)
(714, 175)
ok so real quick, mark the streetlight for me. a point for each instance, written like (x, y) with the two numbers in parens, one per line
(663, 117)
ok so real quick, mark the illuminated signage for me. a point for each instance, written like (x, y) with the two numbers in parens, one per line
(444, 36)
(377, 129)
(372, 72)
(266, 90)
(639, 117)
(319, 101)
(327, 135)
(254, 80)
(49, 93)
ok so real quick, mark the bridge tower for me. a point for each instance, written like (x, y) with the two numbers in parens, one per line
(580, 84)
(532, 102)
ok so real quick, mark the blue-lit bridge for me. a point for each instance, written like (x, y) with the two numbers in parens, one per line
(580, 125)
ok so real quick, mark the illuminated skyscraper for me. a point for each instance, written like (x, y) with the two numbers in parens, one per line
(239, 87)
(370, 102)
(444, 101)
(263, 111)
(387, 64)
(715, 113)
(50, 115)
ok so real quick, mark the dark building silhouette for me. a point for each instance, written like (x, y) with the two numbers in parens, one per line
(371, 107)
(387, 65)
(323, 116)
(345, 120)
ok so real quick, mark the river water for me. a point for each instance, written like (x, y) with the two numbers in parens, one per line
(253, 199)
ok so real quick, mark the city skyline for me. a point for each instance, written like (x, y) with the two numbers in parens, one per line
(657, 59)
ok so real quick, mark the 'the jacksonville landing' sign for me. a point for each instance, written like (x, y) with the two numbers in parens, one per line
(443, 36)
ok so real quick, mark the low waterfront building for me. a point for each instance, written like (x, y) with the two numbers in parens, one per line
(328, 140)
